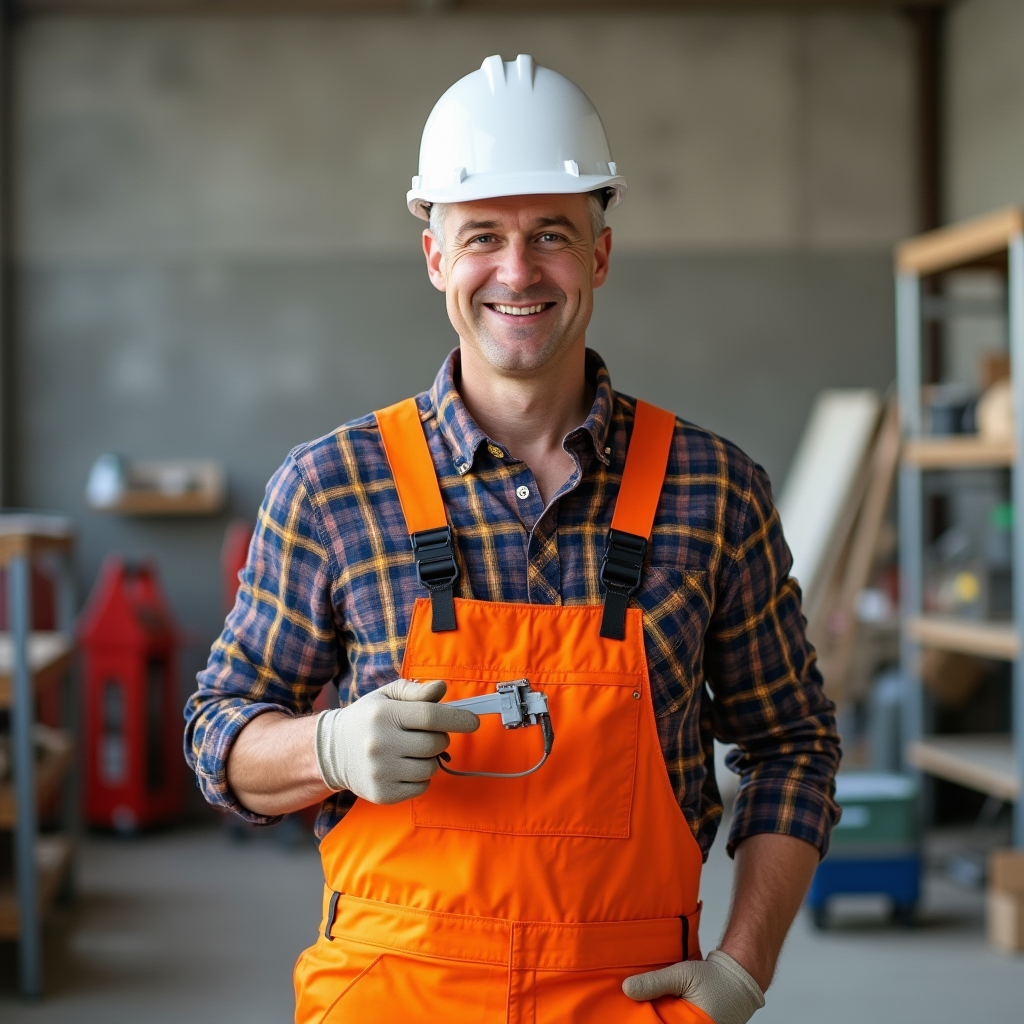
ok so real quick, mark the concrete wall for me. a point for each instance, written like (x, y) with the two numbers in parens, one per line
(984, 153)
(216, 259)
(186, 138)
(985, 137)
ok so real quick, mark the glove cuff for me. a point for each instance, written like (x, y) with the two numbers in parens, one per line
(750, 988)
(328, 761)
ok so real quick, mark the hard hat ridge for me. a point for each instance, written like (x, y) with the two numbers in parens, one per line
(496, 70)
(512, 128)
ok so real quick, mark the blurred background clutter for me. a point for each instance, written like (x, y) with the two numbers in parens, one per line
(206, 259)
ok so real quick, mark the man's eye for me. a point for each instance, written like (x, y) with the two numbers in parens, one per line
(484, 239)
(550, 236)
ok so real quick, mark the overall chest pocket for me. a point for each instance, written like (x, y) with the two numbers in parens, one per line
(585, 788)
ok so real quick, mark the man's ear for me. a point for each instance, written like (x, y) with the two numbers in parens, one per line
(433, 254)
(602, 254)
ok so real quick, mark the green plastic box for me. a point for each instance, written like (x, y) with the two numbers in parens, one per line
(879, 814)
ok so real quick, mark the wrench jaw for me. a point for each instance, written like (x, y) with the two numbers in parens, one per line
(519, 705)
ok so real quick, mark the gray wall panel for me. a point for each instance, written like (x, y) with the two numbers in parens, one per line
(985, 129)
(241, 137)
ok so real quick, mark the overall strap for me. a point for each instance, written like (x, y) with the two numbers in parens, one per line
(642, 477)
(433, 545)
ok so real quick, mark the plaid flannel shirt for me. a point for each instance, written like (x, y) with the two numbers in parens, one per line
(328, 590)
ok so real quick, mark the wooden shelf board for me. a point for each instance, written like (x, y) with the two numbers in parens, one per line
(960, 244)
(170, 487)
(986, 639)
(984, 763)
(958, 452)
(153, 503)
(51, 769)
(28, 533)
(49, 655)
(53, 858)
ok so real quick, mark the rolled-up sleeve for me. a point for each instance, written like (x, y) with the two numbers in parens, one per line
(279, 644)
(767, 695)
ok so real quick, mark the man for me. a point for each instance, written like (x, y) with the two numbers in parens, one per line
(613, 579)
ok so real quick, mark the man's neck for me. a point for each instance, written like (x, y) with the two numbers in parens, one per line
(530, 415)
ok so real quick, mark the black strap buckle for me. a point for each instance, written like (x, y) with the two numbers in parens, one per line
(437, 570)
(621, 570)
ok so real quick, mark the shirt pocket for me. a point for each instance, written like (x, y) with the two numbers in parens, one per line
(677, 604)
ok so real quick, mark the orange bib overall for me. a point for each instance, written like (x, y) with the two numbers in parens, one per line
(516, 900)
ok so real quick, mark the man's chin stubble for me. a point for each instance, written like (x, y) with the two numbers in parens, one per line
(508, 358)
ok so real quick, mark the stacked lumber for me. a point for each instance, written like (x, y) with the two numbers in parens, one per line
(1005, 900)
(847, 511)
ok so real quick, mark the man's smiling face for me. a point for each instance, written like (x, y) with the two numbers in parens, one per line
(519, 275)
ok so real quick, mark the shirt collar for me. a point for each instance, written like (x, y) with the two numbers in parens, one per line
(464, 437)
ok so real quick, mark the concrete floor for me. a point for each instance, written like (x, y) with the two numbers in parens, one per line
(192, 926)
(174, 927)
(864, 969)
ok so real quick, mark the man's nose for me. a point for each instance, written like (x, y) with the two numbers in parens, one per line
(518, 269)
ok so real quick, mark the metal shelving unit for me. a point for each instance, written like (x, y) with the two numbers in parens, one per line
(30, 662)
(992, 764)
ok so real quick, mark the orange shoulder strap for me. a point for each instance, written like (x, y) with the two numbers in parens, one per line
(411, 466)
(433, 545)
(633, 520)
(644, 472)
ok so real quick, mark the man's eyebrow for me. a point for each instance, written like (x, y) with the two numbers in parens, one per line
(558, 220)
(476, 225)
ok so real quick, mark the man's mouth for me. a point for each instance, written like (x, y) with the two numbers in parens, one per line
(507, 310)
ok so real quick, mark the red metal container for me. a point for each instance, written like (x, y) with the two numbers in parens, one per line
(131, 713)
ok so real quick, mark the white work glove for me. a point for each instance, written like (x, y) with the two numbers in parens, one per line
(718, 985)
(383, 747)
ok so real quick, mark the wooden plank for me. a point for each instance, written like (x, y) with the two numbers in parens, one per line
(28, 533)
(984, 763)
(958, 452)
(986, 639)
(53, 858)
(49, 656)
(51, 769)
(837, 628)
(959, 244)
(825, 485)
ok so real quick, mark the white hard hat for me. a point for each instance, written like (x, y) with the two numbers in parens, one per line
(512, 129)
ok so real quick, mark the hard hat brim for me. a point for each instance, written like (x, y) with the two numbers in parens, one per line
(494, 186)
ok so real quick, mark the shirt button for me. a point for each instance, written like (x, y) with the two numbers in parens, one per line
(523, 492)
(496, 451)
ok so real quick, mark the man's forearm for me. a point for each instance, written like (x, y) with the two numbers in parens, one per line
(272, 765)
(772, 876)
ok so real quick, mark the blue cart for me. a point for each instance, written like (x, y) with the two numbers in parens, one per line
(876, 847)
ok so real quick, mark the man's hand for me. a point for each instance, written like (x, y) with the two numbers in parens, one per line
(771, 878)
(717, 985)
(383, 747)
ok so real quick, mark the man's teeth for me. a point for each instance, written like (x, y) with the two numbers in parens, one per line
(520, 310)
